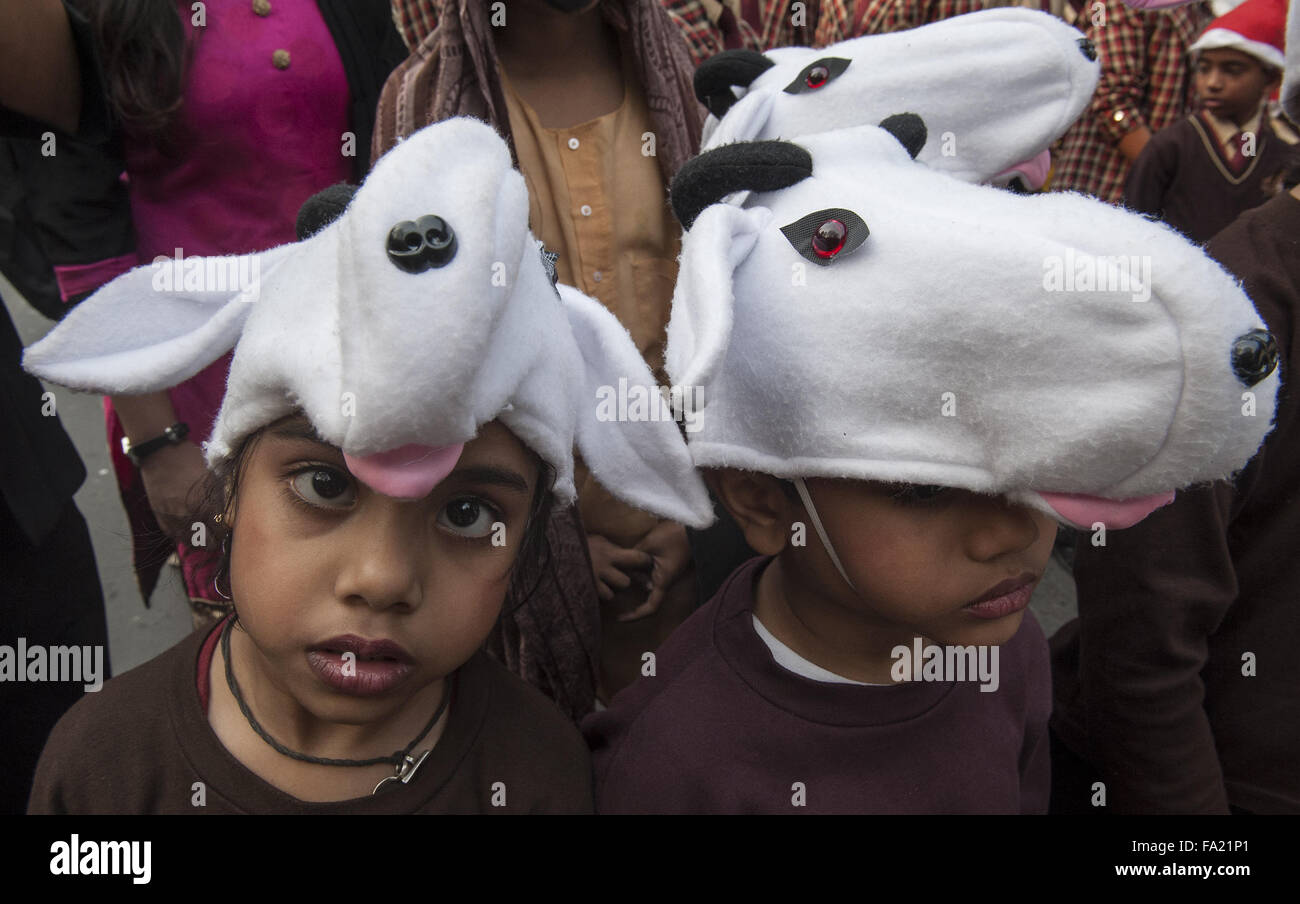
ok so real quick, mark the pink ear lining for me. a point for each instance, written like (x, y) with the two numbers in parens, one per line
(407, 472)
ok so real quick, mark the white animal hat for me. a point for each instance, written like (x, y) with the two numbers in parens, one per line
(423, 312)
(995, 88)
(867, 317)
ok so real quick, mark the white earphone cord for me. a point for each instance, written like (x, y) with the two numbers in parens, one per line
(821, 531)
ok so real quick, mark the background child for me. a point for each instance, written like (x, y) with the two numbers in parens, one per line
(1201, 172)
(387, 462)
(930, 471)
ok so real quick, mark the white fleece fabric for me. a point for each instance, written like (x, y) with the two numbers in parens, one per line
(959, 345)
(1031, 78)
(378, 357)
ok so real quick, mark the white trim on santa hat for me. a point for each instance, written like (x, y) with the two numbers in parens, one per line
(1220, 38)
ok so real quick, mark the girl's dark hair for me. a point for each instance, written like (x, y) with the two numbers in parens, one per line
(144, 56)
(531, 564)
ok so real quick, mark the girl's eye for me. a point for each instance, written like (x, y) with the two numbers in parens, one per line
(468, 518)
(919, 494)
(324, 488)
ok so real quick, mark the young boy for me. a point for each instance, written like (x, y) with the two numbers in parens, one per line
(1203, 171)
(884, 417)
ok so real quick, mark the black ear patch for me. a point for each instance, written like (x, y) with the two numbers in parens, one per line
(817, 74)
(825, 236)
(909, 129)
(716, 76)
(323, 208)
(742, 166)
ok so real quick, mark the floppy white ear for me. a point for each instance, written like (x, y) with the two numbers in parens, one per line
(144, 331)
(625, 429)
(744, 121)
(703, 301)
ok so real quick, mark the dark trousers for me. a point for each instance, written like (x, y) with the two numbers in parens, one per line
(49, 595)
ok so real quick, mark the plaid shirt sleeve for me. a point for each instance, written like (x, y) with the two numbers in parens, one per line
(874, 17)
(415, 19)
(703, 36)
(1120, 36)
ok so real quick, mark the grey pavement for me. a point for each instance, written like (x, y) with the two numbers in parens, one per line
(137, 633)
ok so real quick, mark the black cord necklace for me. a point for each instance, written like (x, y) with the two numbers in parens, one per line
(403, 763)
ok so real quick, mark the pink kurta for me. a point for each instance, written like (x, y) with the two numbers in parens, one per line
(250, 143)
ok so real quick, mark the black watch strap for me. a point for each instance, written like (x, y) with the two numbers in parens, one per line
(172, 436)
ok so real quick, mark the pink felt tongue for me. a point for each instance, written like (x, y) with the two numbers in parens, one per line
(1034, 170)
(1086, 511)
(407, 472)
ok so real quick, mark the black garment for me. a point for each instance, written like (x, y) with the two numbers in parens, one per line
(49, 596)
(370, 48)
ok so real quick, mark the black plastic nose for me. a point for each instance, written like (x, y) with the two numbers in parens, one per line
(419, 245)
(1254, 356)
(1089, 49)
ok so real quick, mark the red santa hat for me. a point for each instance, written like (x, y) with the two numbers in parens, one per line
(1255, 27)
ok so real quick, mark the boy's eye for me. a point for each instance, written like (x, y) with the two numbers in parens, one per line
(467, 517)
(918, 494)
(324, 488)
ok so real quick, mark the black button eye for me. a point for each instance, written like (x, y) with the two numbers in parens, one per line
(1087, 48)
(827, 235)
(1254, 356)
(817, 74)
(423, 244)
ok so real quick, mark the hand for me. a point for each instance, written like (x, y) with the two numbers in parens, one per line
(611, 562)
(170, 476)
(671, 556)
(1131, 145)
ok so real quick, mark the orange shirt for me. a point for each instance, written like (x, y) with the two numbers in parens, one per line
(597, 197)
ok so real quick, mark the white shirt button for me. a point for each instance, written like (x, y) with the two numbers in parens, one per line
(586, 210)
(573, 144)
(596, 276)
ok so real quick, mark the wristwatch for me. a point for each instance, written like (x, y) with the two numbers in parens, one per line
(172, 436)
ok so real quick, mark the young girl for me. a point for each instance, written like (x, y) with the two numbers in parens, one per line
(406, 391)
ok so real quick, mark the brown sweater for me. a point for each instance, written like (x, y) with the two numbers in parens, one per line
(1151, 682)
(140, 744)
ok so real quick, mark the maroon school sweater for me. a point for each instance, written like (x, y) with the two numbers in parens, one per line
(722, 728)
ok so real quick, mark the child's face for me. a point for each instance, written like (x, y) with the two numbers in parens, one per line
(917, 558)
(317, 557)
(1231, 84)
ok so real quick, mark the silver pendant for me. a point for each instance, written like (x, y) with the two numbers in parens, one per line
(405, 771)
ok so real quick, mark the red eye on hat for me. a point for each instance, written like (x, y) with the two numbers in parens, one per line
(824, 236)
(817, 74)
(829, 238)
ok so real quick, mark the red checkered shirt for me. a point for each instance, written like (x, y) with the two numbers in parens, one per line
(1144, 82)
(707, 24)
